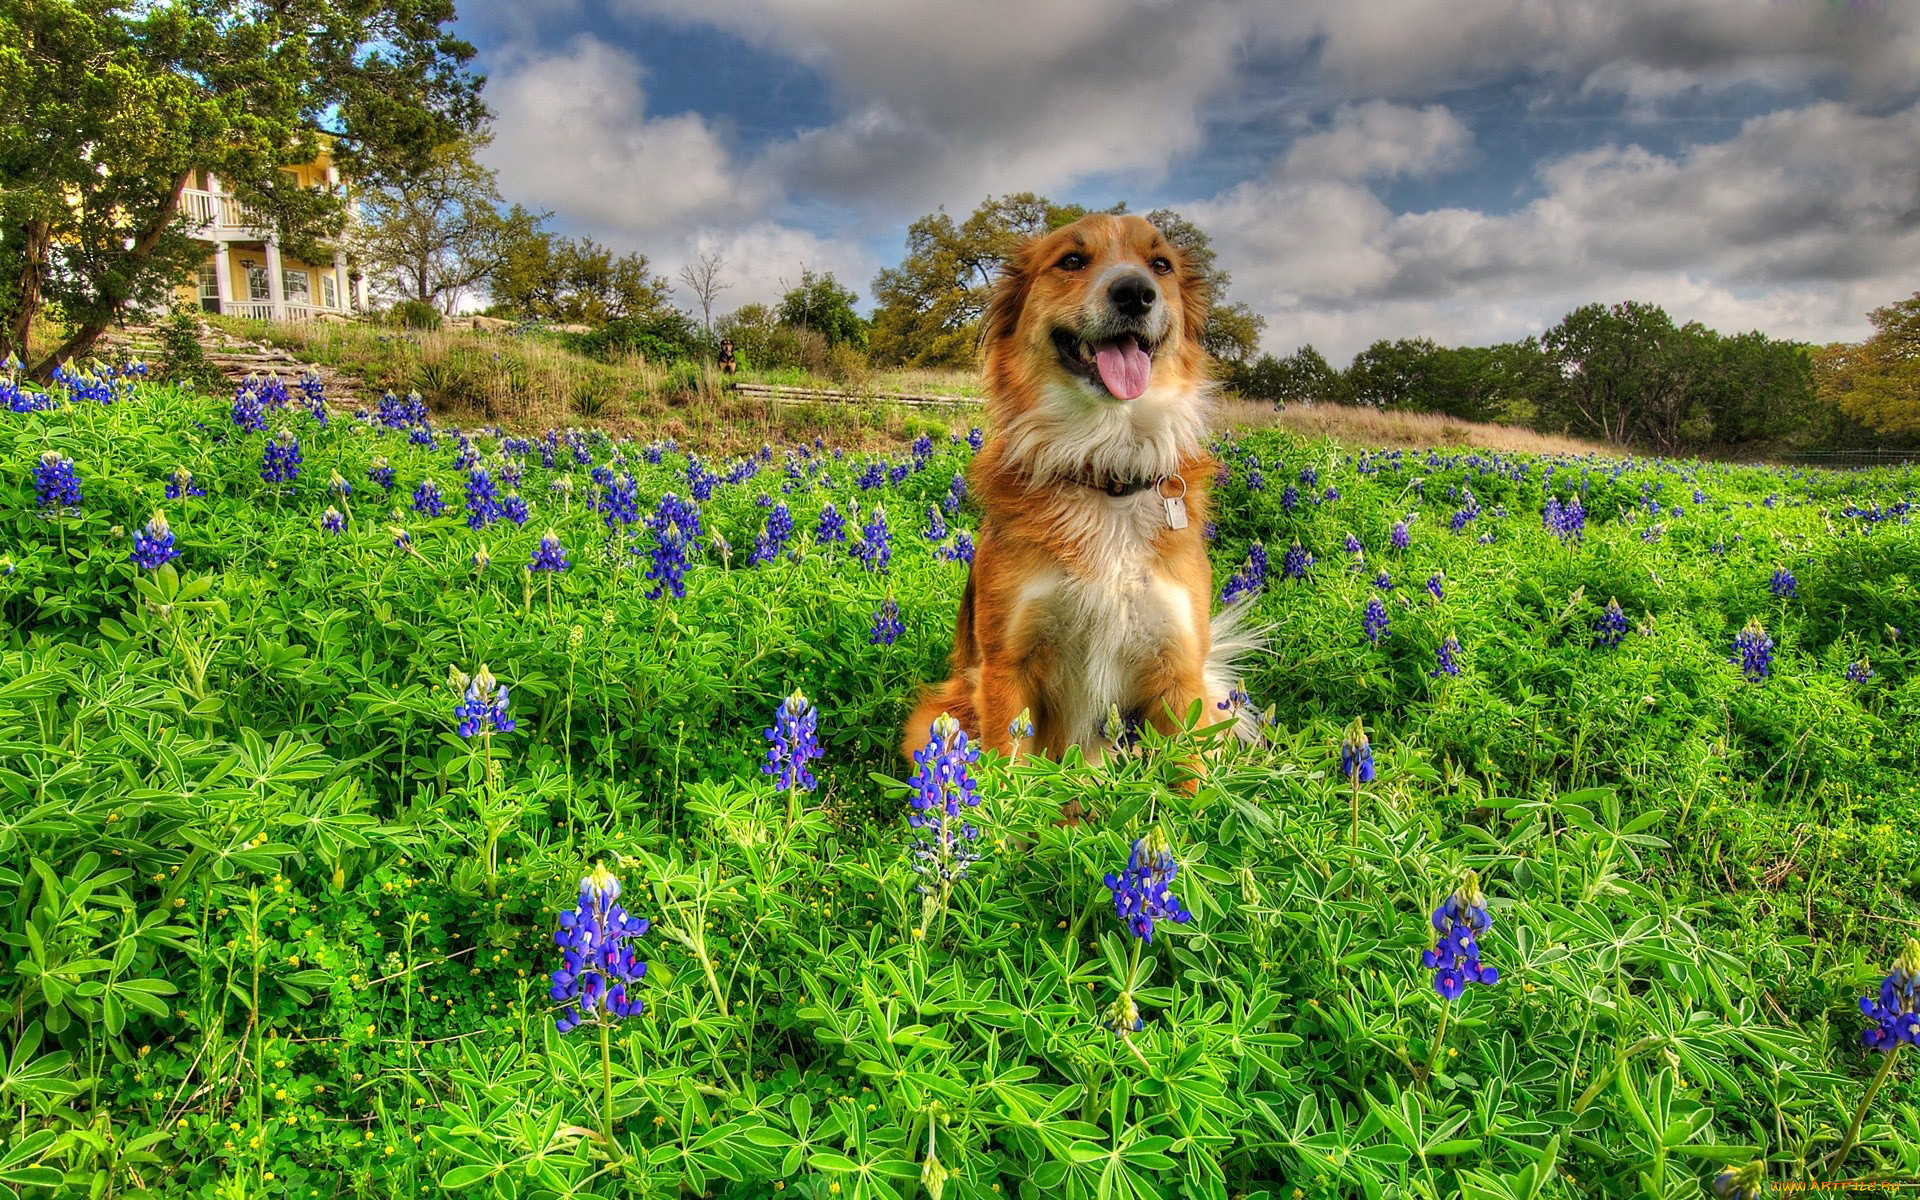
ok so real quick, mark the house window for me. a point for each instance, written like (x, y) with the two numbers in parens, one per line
(208, 280)
(257, 286)
(295, 286)
(329, 291)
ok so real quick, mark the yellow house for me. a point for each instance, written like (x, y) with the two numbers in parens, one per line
(245, 274)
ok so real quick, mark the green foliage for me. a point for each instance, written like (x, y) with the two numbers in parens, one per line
(111, 108)
(666, 335)
(1878, 381)
(414, 314)
(820, 304)
(433, 233)
(273, 928)
(545, 276)
(182, 359)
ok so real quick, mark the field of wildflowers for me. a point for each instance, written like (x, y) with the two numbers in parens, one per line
(395, 810)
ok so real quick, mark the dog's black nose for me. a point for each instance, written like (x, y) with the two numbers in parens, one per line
(1132, 295)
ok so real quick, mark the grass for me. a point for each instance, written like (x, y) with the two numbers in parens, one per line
(274, 927)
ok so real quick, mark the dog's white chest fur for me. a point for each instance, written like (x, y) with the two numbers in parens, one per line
(1104, 625)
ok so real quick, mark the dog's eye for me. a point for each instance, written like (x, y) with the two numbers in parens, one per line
(1073, 262)
(1161, 266)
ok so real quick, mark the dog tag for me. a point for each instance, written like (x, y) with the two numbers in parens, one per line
(1176, 506)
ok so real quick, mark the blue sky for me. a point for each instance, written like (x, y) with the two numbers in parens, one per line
(1367, 169)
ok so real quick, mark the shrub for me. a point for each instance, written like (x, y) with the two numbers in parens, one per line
(182, 360)
(414, 314)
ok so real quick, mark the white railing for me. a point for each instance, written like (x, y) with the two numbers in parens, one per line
(211, 212)
(262, 310)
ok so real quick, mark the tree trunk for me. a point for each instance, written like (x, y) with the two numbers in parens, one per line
(114, 291)
(37, 242)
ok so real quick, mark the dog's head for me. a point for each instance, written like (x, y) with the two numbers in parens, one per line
(1106, 303)
(1096, 326)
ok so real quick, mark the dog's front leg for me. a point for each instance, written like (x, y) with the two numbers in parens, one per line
(1177, 682)
(1008, 687)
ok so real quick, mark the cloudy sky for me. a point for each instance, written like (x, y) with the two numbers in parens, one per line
(1367, 168)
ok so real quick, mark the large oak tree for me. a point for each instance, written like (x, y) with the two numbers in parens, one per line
(112, 105)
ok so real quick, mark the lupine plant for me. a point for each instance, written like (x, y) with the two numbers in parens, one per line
(275, 927)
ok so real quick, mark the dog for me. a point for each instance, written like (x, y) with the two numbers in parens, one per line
(1090, 588)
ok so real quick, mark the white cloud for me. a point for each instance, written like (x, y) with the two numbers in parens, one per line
(763, 259)
(1379, 138)
(943, 104)
(572, 134)
(1796, 225)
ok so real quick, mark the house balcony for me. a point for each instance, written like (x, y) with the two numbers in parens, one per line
(219, 216)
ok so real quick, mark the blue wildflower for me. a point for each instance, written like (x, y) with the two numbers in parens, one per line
(832, 526)
(515, 509)
(961, 548)
(1383, 581)
(280, 461)
(936, 530)
(153, 546)
(381, 473)
(483, 499)
(333, 520)
(793, 743)
(675, 526)
(1402, 535)
(549, 555)
(1783, 584)
(1455, 958)
(875, 550)
(1860, 672)
(1895, 1011)
(956, 492)
(1356, 754)
(56, 486)
(1611, 627)
(620, 502)
(887, 626)
(598, 963)
(1374, 623)
(1437, 586)
(1142, 893)
(427, 500)
(484, 709)
(1448, 657)
(1296, 562)
(943, 788)
(1755, 649)
(180, 484)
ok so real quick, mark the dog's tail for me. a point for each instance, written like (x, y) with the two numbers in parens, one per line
(1237, 640)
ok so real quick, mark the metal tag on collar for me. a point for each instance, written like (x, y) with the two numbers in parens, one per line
(1176, 505)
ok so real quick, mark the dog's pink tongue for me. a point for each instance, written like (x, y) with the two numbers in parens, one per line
(1124, 368)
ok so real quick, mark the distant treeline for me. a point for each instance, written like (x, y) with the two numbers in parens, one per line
(1628, 375)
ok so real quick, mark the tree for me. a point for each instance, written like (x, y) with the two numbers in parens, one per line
(1232, 335)
(759, 339)
(560, 279)
(819, 303)
(1304, 376)
(112, 106)
(702, 277)
(927, 310)
(1629, 374)
(1878, 381)
(431, 235)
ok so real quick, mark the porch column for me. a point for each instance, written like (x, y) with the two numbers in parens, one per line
(223, 280)
(276, 292)
(341, 298)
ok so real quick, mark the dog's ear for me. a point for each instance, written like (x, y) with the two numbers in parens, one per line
(1196, 298)
(1009, 294)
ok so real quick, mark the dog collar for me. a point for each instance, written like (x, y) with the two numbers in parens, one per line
(1119, 487)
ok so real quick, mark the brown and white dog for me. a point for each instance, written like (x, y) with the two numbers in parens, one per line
(1090, 585)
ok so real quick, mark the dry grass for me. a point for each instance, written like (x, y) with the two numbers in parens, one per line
(1355, 426)
(535, 383)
